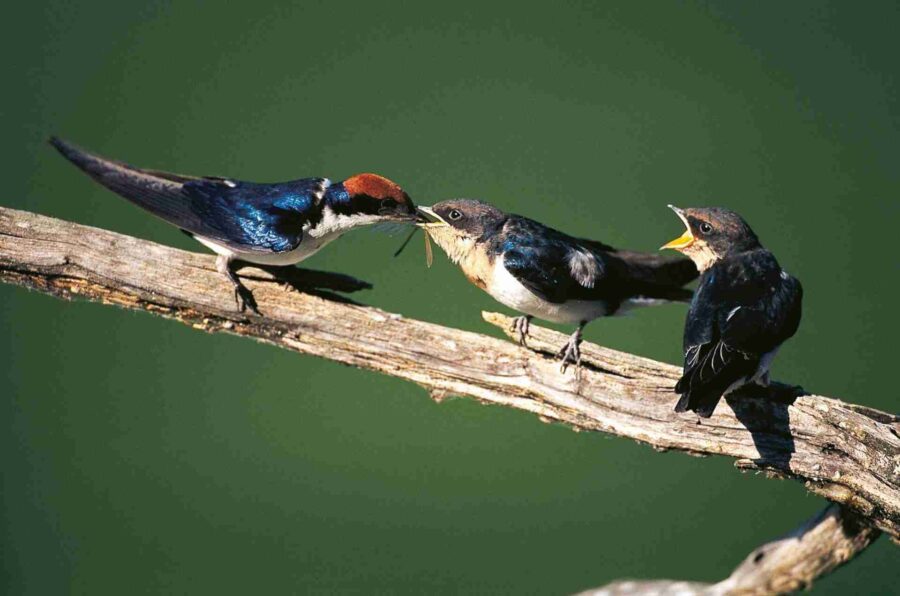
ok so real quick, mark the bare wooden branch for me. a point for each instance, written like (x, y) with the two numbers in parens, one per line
(818, 547)
(846, 453)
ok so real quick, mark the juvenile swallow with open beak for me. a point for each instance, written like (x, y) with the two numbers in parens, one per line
(272, 225)
(544, 273)
(744, 308)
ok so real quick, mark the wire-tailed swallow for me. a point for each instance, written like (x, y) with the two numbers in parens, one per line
(744, 308)
(274, 225)
(547, 274)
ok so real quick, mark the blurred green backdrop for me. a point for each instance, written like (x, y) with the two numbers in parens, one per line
(141, 456)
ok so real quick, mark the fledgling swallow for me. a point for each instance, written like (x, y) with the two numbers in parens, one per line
(272, 225)
(547, 274)
(744, 308)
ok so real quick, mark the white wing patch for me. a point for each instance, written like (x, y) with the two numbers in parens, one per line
(585, 268)
(334, 224)
(731, 313)
(323, 186)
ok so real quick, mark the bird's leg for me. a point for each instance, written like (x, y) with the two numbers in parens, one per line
(571, 352)
(520, 326)
(242, 295)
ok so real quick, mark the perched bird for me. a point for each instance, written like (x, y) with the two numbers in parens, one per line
(272, 225)
(744, 308)
(544, 273)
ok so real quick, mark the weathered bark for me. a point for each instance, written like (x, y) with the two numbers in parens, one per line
(846, 453)
(819, 546)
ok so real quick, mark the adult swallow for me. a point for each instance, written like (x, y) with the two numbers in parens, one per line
(544, 273)
(744, 308)
(272, 225)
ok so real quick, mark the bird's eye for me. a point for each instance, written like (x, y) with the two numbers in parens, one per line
(705, 228)
(454, 214)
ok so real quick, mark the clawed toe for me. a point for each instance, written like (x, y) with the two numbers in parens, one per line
(569, 354)
(521, 326)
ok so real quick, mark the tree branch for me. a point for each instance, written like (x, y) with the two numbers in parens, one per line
(846, 453)
(819, 546)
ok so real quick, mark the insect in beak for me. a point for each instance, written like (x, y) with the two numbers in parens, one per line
(425, 218)
(406, 241)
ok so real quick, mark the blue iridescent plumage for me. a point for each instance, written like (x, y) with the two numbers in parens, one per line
(251, 216)
(243, 216)
(745, 308)
(273, 225)
(544, 273)
(540, 257)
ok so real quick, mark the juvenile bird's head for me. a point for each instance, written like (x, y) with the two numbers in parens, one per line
(712, 233)
(370, 198)
(459, 225)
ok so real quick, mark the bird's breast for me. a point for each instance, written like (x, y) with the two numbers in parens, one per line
(478, 267)
(509, 291)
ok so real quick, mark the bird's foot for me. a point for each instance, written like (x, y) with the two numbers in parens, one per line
(242, 295)
(571, 352)
(521, 325)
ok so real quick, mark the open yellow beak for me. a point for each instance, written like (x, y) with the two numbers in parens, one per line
(682, 241)
(685, 239)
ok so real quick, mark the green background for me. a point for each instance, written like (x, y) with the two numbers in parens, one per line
(141, 456)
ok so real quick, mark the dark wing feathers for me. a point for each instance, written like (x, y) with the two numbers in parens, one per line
(558, 267)
(744, 308)
(266, 217)
(549, 263)
(657, 270)
(710, 368)
(244, 216)
(551, 280)
(594, 245)
(654, 275)
(157, 192)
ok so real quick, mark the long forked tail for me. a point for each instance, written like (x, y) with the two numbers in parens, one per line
(157, 192)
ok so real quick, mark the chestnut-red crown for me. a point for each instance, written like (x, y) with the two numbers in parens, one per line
(375, 186)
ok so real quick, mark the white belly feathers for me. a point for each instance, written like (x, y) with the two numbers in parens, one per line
(509, 291)
(309, 246)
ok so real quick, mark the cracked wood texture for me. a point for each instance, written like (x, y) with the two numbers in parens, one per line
(783, 566)
(846, 453)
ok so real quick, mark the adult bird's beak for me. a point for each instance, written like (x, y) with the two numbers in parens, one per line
(685, 239)
(426, 218)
